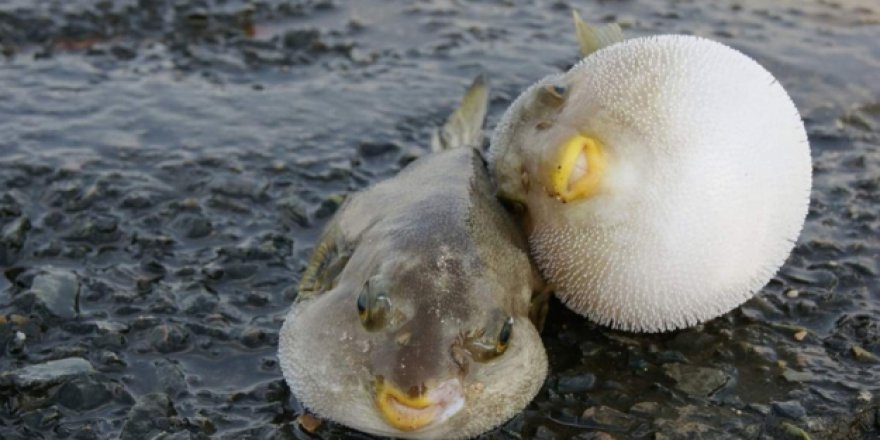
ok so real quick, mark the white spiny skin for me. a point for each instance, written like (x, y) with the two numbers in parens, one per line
(705, 190)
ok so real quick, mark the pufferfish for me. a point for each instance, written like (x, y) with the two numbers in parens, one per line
(665, 178)
(416, 315)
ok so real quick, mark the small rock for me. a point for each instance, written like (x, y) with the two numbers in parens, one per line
(294, 209)
(864, 355)
(797, 376)
(172, 380)
(645, 408)
(576, 384)
(151, 417)
(167, 338)
(792, 293)
(693, 380)
(329, 206)
(759, 408)
(609, 416)
(800, 335)
(49, 373)
(196, 300)
(86, 392)
(193, 226)
(12, 238)
(309, 423)
(791, 409)
(795, 432)
(56, 292)
(370, 150)
(544, 433)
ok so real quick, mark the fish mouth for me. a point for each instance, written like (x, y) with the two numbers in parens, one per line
(408, 413)
(577, 170)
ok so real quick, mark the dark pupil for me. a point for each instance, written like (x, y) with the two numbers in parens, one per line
(505, 331)
(362, 303)
(559, 90)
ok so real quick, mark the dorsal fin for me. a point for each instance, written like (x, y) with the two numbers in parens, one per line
(591, 39)
(464, 127)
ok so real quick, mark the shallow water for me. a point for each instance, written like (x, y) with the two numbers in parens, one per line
(171, 163)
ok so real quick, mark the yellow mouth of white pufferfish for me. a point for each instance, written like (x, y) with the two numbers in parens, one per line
(410, 413)
(577, 170)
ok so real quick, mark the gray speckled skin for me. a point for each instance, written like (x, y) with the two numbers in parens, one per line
(454, 263)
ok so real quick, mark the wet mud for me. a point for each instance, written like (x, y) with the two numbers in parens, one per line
(167, 166)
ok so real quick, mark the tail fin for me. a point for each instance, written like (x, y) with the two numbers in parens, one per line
(591, 39)
(464, 127)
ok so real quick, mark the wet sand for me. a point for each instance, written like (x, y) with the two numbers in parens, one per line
(167, 166)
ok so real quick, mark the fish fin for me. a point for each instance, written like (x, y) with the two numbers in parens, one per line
(591, 39)
(464, 127)
(326, 263)
(540, 305)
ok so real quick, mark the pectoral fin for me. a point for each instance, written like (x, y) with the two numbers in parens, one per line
(328, 259)
(591, 39)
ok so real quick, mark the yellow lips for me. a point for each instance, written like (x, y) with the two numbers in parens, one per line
(577, 169)
(434, 405)
(402, 411)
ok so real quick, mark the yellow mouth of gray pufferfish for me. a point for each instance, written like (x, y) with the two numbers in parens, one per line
(408, 413)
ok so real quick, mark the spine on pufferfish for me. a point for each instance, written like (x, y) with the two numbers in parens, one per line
(464, 127)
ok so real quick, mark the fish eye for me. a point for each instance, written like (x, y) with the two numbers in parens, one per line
(504, 335)
(556, 90)
(487, 344)
(373, 305)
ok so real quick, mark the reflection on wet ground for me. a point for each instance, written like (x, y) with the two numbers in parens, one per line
(166, 167)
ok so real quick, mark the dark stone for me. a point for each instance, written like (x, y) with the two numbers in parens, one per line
(645, 408)
(153, 416)
(88, 392)
(370, 150)
(329, 206)
(12, 238)
(54, 292)
(576, 384)
(193, 226)
(791, 409)
(608, 416)
(49, 373)
(295, 209)
(172, 379)
(697, 381)
(168, 338)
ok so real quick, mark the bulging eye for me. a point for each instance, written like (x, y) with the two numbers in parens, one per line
(556, 90)
(504, 336)
(491, 342)
(373, 306)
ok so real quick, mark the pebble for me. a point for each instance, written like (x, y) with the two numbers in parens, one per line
(576, 384)
(87, 392)
(608, 416)
(645, 408)
(12, 238)
(172, 379)
(864, 355)
(49, 373)
(791, 409)
(193, 226)
(168, 338)
(55, 292)
(151, 417)
(694, 380)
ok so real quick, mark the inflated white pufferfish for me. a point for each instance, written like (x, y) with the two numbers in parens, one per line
(665, 179)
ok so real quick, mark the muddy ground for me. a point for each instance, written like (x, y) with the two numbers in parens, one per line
(166, 167)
